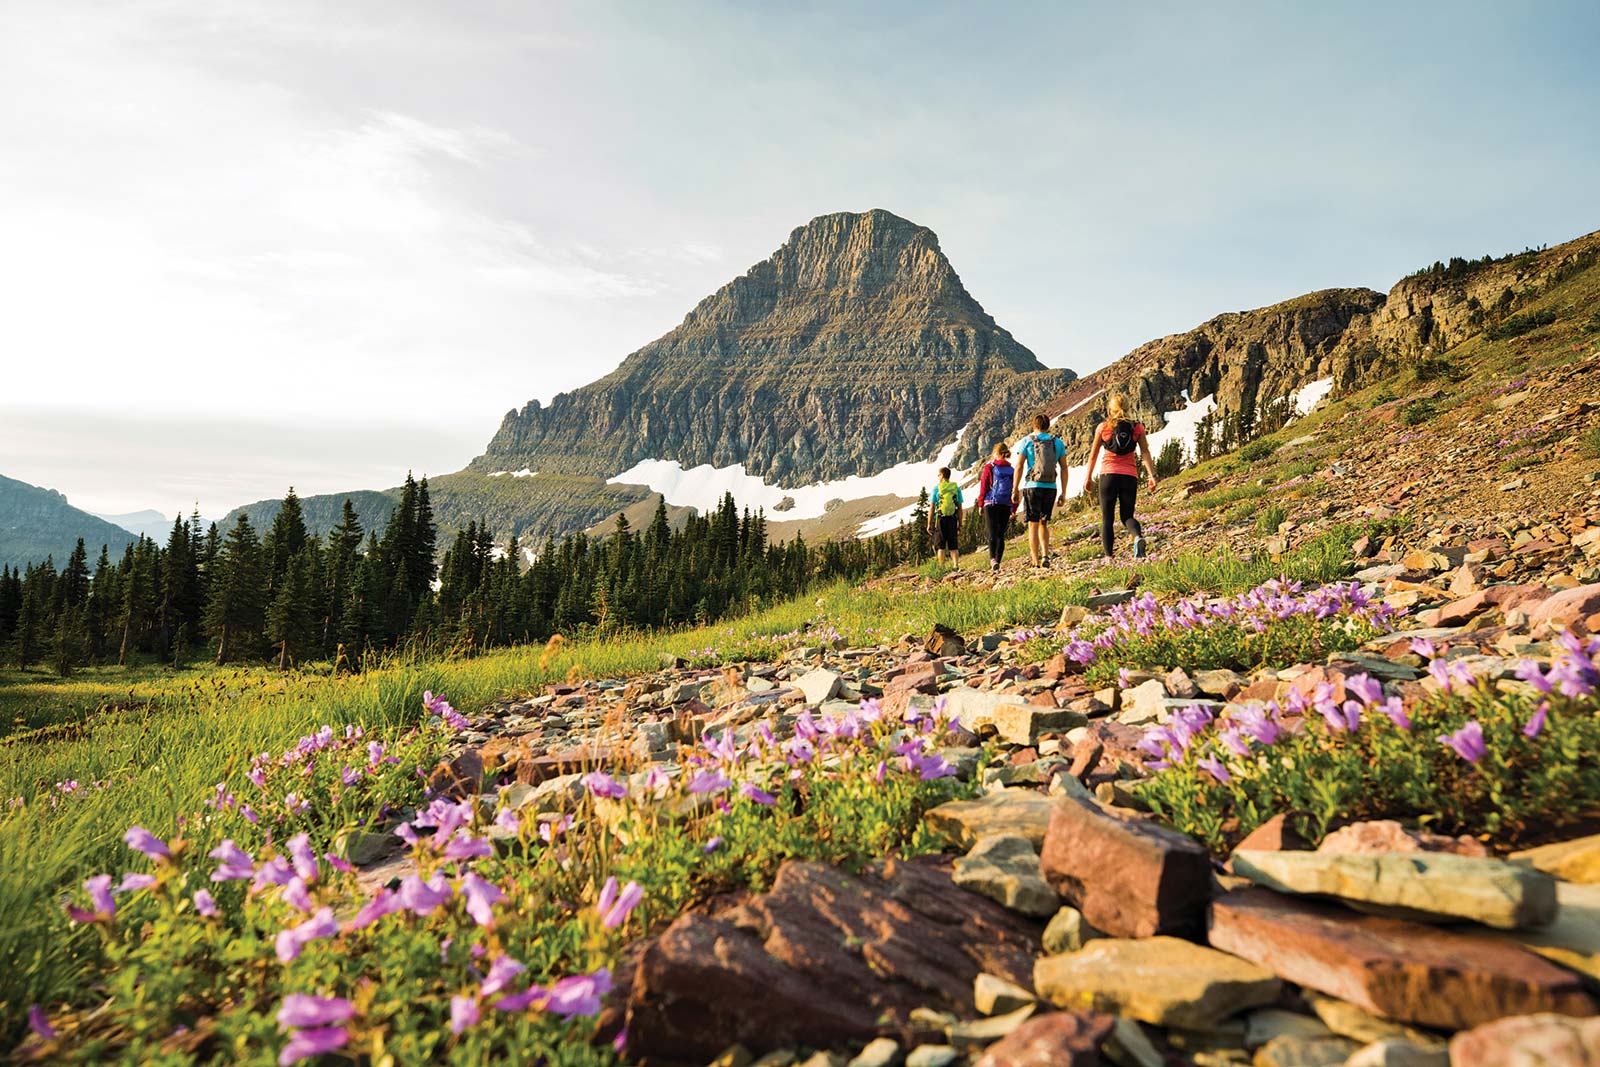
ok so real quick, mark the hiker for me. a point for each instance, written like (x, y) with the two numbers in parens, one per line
(1114, 443)
(946, 511)
(995, 496)
(1044, 463)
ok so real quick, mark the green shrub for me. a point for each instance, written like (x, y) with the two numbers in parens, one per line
(1256, 451)
(1169, 461)
(1517, 325)
(1593, 325)
(1272, 518)
(1238, 516)
(1435, 368)
(1419, 411)
(1591, 442)
(1232, 495)
(1391, 762)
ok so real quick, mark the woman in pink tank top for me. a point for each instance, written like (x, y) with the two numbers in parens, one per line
(1112, 454)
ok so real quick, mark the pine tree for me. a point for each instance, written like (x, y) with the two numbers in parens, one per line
(234, 615)
(291, 620)
(284, 538)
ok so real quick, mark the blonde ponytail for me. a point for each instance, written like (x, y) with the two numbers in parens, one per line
(1116, 409)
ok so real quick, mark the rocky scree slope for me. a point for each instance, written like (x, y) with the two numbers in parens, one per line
(853, 346)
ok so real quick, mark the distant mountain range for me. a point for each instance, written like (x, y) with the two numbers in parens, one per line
(36, 524)
(150, 523)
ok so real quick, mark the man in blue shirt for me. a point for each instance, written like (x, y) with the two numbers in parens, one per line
(1044, 461)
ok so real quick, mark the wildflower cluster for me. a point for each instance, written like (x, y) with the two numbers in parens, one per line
(498, 937)
(1476, 756)
(1274, 622)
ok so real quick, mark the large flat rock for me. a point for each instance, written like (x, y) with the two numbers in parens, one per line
(1577, 860)
(1015, 812)
(1436, 887)
(1128, 876)
(1407, 971)
(1543, 1040)
(825, 958)
(1165, 981)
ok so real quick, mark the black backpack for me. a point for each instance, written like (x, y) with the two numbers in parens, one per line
(1122, 441)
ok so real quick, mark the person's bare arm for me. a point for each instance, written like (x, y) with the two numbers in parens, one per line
(1061, 465)
(1094, 457)
(1149, 464)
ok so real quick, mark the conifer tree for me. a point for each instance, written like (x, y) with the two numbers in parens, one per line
(234, 615)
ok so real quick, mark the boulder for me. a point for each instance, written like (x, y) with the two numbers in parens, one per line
(1407, 971)
(1433, 887)
(1005, 868)
(1541, 1040)
(819, 685)
(1144, 703)
(458, 778)
(825, 958)
(1577, 860)
(1129, 877)
(1164, 981)
(1018, 812)
(1021, 724)
(1567, 607)
(1061, 1039)
(1387, 835)
(1222, 684)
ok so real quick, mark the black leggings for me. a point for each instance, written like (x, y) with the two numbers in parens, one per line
(1115, 490)
(998, 518)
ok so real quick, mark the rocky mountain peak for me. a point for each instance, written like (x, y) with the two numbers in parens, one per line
(852, 347)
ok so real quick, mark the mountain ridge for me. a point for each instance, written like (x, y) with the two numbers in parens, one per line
(37, 523)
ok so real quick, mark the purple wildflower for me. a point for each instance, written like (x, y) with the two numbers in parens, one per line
(421, 898)
(463, 1013)
(614, 906)
(303, 1044)
(501, 972)
(385, 902)
(709, 781)
(1395, 709)
(39, 1023)
(712, 845)
(290, 942)
(579, 994)
(303, 858)
(1466, 742)
(552, 829)
(1535, 724)
(1214, 765)
(132, 882)
(601, 784)
(463, 846)
(205, 903)
(1424, 647)
(1258, 725)
(105, 908)
(1366, 688)
(757, 794)
(303, 1010)
(236, 863)
(141, 840)
(481, 896)
(1229, 736)
(880, 772)
(1529, 671)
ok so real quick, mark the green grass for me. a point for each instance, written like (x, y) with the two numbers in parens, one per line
(1270, 519)
(1231, 495)
(1591, 442)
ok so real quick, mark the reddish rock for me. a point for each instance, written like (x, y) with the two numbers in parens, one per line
(1410, 972)
(1129, 877)
(1567, 607)
(1055, 666)
(824, 958)
(1045, 699)
(1085, 755)
(532, 770)
(918, 678)
(1307, 683)
(944, 641)
(458, 778)
(1529, 1041)
(1275, 835)
(1493, 547)
(1387, 835)
(1061, 1039)
(1262, 689)
(1023, 755)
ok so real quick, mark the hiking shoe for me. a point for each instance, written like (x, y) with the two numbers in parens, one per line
(1138, 548)
(994, 564)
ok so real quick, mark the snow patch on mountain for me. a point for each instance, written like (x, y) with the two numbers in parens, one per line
(703, 487)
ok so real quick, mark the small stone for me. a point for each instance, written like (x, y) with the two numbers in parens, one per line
(1164, 981)
(1398, 1052)
(732, 1056)
(824, 1058)
(979, 1032)
(783, 1057)
(1020, 812)
(994, 995)
(361, 848)
(932, 1056)
(880, 1052)
(1540, 1040)
(1376, 836)
(1130, 1046)
(1435, 887)
(1060, 1039)
(1263, 1026)
(1072, 615)
(1110, 599)
(1005, 868)
(1293, 1050)
(819, 685)
(1068, 931)
(943, 642)
(1358, 1024)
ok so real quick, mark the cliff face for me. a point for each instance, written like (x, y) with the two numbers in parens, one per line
(853, 347)
(38, 523)
(1241, 358)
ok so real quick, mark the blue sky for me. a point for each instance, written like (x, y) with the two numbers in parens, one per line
(335, 242)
